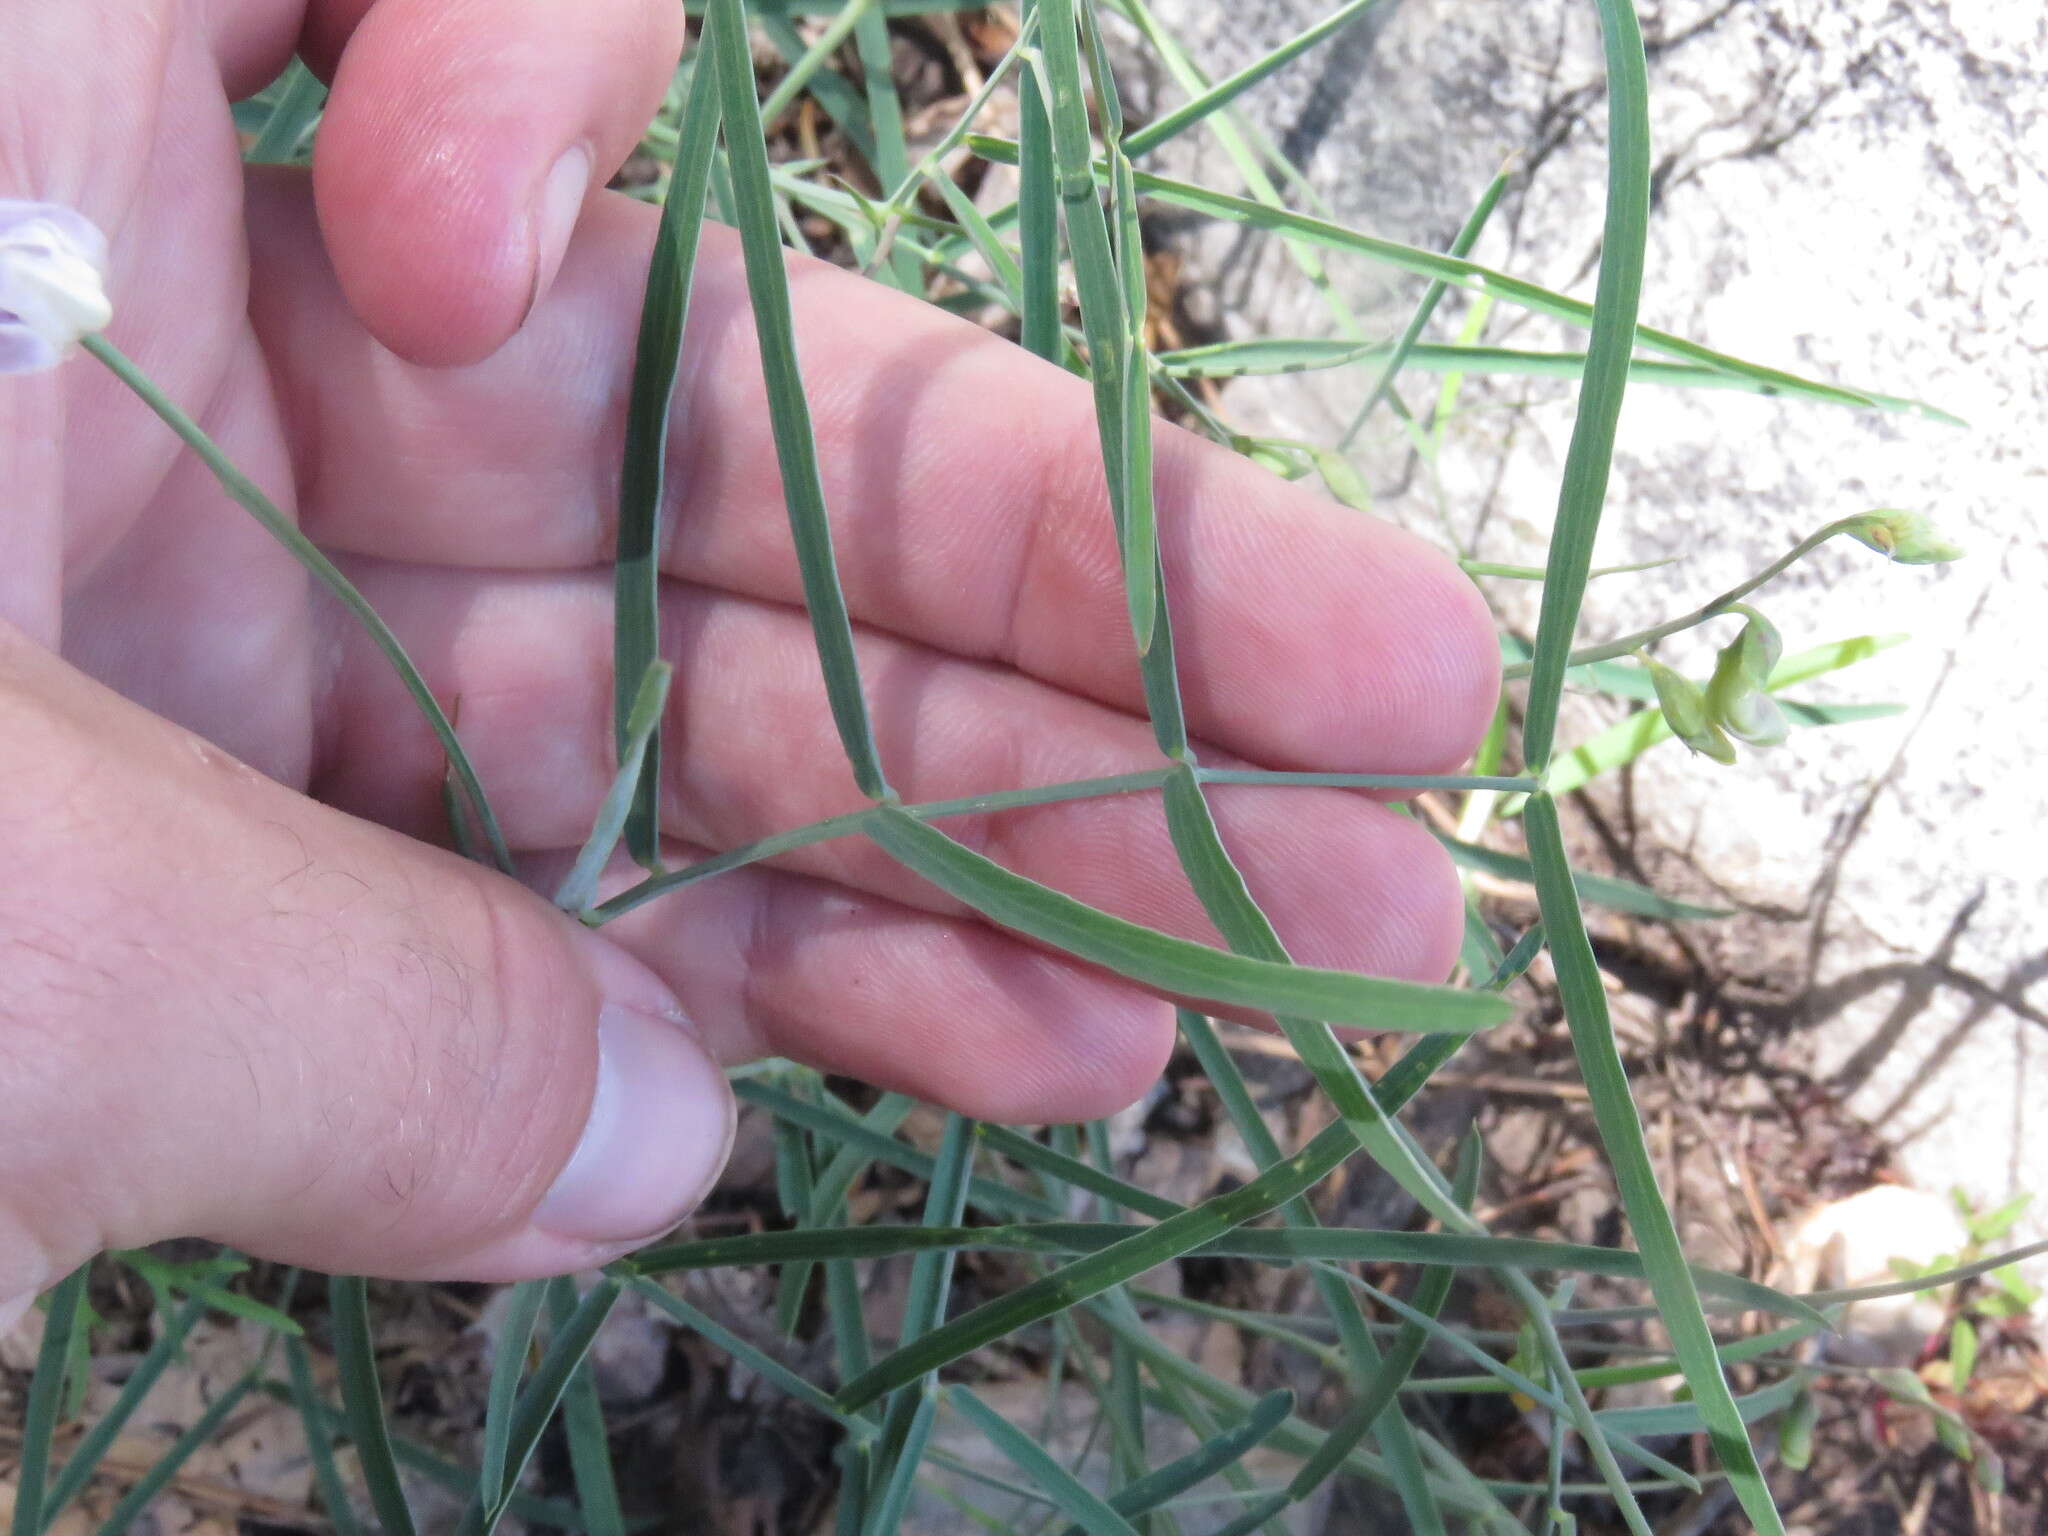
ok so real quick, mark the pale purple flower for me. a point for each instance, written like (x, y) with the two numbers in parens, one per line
(53, 283)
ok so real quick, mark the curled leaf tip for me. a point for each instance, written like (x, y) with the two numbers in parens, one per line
(53, 283)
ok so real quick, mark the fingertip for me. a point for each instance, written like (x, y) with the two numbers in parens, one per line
(459, 143)
(1455, 649)
(421, 219)
(1433, 936)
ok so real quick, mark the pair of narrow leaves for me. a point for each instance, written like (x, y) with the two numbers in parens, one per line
(1734, 705)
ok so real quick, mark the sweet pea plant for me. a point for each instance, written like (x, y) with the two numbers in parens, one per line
(1073, 228)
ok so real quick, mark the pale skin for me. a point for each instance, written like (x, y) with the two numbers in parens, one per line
(246, 994)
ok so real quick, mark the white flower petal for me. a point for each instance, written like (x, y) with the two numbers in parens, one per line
(53, 283)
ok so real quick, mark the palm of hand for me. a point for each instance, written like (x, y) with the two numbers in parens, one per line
(472, 504)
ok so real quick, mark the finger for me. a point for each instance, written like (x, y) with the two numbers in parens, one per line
(459, 144)
(774, 964)
(964, 482)
(751, 750)
(230, 1012)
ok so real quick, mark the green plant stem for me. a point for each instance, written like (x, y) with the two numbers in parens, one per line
(1157, 132)
(791, 85)
(1713, 608)
(246, 493)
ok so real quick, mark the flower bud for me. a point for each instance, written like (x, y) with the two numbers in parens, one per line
(1759, 647)
(1906, 537)
(1754, 719)
(1685, 710)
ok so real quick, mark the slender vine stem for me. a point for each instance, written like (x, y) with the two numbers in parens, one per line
(1607, 650)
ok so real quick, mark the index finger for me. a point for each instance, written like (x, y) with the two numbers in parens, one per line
(963, 477)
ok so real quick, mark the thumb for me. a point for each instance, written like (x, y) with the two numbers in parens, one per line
(227, 1011)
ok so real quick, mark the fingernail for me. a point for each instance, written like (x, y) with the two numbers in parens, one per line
(554, 219)
(12, 1312)
(661, 1123)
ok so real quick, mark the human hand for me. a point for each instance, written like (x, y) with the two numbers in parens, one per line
(243, 994)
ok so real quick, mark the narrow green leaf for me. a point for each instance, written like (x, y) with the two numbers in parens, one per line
(843, 104)
(853, 822)
(1616, 300)
(849, 1130)
(1075, 1173)
(1672, 1280)
(1466, 274)
(909, 1417)
(753, 1358)
(1222, 94)
(567, 1346)
(457, 1480)
(45, 1397)
(317, 1422)
(201, 1431)
(508, 1365)
(1131, 1252)
(1304, 354)
(931, 1275)
(896, 210)
(583, 1426)
(794, 1190)
(1294, 1436)
(1687, 1419)
(1140, 521)
(1114, 1253)
(885, 114)
(1256, 1515)
(362, 1401)
(1075, 1501)
(1252, 153)
(84, 1460)
(1433, 1288)
(636, 757)
(831, 37)
(1517, 960)
(1204, 1461)
(643, 470)
(886, 1518)
(1601, 890)
(295, 110)
(789, 413)
(987, 243)
(1160, 960)
(1478, 951)
(850, 1162)
(1037, 222)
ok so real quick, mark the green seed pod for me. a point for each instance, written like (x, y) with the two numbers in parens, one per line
(1951, 1432)
(1344, 482)
(1795, 1432)
(1906, 537)
(1988, 1472)
(1687, 712)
